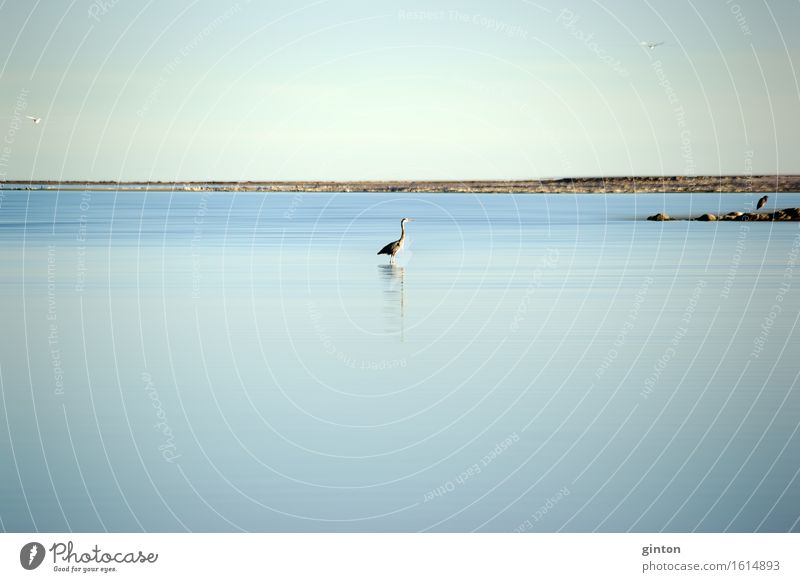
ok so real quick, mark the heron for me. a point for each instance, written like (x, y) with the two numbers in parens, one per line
(651, 45)
(761, 202)
(394, 247)
(34, 119)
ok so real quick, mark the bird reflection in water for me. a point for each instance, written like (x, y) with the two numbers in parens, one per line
(395, 293)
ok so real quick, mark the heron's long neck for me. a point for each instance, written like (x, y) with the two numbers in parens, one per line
(402, 230)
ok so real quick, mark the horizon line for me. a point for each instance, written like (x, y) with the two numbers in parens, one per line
(405, 180)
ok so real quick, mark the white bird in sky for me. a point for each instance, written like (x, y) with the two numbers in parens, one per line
(650, 44)
(34, 119)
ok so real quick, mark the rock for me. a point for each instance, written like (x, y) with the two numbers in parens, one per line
(785, 215)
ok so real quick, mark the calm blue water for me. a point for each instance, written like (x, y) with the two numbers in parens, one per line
(224, 362)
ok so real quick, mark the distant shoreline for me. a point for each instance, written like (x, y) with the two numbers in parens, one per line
(608, 185)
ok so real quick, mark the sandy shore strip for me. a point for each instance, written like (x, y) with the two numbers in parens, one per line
(607, 185)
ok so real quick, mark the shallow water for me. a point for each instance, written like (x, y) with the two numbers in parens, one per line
(223, 361)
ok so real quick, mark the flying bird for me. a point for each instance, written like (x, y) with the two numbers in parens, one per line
(761, 202)
(34, 119)
(650, 44)
(394, 247)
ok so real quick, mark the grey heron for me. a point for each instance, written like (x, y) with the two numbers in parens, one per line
(394, 247)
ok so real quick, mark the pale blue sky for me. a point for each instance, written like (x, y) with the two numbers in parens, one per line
(377, 89)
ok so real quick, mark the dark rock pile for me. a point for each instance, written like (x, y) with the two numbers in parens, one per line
(787, 214)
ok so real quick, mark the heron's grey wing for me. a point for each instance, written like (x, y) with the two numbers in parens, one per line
(387, 250)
